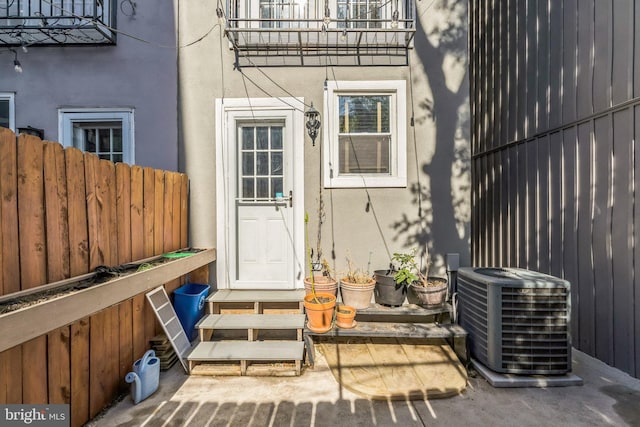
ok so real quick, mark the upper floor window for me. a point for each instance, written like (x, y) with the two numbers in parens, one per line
(108, 133)
(360, 13)
(7, 111)
(365, 134)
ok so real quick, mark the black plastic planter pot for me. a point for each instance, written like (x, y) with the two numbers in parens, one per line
(387, 291)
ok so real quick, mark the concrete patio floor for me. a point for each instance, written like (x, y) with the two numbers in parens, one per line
(608, 397)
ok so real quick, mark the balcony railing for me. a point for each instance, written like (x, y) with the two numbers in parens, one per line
(319, 32)
(53, 22)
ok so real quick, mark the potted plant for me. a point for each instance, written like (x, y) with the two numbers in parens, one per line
(319, 306)
(356, 287)
(429, 291)
(388, 290)
(345, 316)
(322, 282)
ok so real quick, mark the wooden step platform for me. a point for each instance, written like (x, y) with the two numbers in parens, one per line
(405, 313)
(395, 368)
(453, 333)
(251, 322)
(245, 354)
(257, 299)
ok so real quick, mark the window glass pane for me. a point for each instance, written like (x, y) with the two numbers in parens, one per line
(364, 114)
(276, 186)
(247, 188)
(247, 163)
(117, 139)
(104, 136)
(4, 113)
(263, 138)
(262, 163)
(247, 138)
(117, 158)
(276, 163)
(105, 156)
(90, 140)
(364, 154)
(262, 187)
(276, 138)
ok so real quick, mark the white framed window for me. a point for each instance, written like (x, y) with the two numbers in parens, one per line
(365, 134)
(106, 132)
(7, 110)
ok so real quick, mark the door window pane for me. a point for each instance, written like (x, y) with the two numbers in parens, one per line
(262, 187)
(247, 188)
(247, 138)
(247, 163)
(276, 138)
(276, 163)
(263, 138)
(262, 162)
(276, 186)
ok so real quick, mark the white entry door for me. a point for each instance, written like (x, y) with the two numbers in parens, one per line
(263, 237)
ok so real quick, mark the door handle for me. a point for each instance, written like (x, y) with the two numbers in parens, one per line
(290, 198)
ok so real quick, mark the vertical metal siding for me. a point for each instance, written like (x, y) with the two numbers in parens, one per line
(556, 116)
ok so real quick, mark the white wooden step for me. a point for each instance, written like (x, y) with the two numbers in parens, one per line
(233, 295)
(246, 352)
(258, 300)
(251, 321)
(243, 350)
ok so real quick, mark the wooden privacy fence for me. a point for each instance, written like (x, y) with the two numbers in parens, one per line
(62, 214)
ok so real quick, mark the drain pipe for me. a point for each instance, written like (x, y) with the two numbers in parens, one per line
(453, 264)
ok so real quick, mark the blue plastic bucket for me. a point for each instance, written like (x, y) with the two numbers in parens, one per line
(189, 301)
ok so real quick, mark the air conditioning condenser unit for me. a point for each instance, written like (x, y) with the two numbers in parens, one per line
(518, 320)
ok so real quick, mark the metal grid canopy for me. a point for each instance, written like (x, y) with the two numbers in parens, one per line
(296, 33)
(55, 22)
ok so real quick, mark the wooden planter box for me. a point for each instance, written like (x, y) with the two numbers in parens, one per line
(19, 326)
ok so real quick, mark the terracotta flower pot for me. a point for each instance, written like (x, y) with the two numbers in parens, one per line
(357, 295)
(345, 316)
(433, 295)
(319, 309)
(323, 284)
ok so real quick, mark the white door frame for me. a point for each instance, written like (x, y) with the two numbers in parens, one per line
(233, 109)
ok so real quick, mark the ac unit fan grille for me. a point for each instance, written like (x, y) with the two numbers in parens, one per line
(535, 328)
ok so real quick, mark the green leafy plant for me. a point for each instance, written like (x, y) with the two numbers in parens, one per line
(408, 271)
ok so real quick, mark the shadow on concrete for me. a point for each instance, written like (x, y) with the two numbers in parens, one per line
(360, 412)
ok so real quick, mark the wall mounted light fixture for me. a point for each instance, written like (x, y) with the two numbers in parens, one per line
(16, 64)
(313, 123)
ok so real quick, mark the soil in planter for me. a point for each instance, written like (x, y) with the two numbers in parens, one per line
(102, 274)
(320, 300)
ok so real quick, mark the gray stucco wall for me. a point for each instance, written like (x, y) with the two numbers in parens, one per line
(437, 154)
(132, 74)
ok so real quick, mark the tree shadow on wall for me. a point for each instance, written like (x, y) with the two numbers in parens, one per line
(440, 46)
